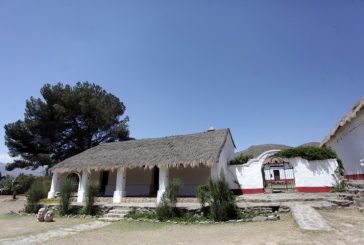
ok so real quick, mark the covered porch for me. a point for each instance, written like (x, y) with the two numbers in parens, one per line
(122, 183)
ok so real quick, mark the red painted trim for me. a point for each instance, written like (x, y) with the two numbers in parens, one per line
(354, 177)
(281, 180)
(311, 189)
(248, 191)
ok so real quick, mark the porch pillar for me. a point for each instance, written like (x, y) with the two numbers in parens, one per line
(119, 192)
(163, 182)
(54, 186)
(82, 186)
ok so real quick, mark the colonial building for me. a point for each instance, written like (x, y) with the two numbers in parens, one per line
(347, 139)
(144, 167)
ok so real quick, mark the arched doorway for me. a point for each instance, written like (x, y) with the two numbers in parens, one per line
(278, 176)
(75, 178)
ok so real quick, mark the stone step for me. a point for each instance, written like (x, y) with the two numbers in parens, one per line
(119, 211)
(109, 219)
(341, 203)
(114, 215)
(359, 201)
(346, 196)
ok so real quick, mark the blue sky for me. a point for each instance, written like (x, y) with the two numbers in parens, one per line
(272, 71)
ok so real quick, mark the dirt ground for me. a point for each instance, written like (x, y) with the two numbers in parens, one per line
(347, 228)
(347, 224)
(14, 225)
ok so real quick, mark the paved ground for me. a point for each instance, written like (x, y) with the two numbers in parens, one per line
(41, 238)
(308, 219)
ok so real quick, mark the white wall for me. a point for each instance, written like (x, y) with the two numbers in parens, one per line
(249, 175)
(349, 145)
(314, 173)
(138, 182)
(190, 178)
(307, 174)
(227, 154)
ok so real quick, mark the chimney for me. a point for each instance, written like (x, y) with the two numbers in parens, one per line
(211, 129)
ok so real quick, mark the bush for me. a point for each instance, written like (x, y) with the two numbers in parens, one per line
(34, 195)
(309, 153)
(92, 191)
(221, 200)
(203, 194)
(65, 196)
(241, 159)
(165, 209)
(24, 182)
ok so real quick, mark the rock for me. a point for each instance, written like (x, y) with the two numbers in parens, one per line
(273, 217)
(40, 215)
(259, 218)
(48, 217)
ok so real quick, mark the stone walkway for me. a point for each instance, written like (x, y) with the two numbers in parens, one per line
(56, 233)
(308, 219)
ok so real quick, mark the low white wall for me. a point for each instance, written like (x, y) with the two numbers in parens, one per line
(310, 176)
(314, 173)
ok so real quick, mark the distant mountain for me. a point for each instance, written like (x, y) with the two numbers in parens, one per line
(38, 172)
(314, 144)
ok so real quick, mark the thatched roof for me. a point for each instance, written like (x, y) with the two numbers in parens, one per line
(256, 150)
(187, 150)
(345, 120)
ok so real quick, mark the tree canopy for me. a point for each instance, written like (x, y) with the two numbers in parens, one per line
(66, 121)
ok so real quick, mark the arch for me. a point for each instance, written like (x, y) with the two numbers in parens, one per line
(76, 178)
(278, 175)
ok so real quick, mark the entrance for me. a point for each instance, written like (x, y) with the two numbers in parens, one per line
(278, 176)
(155, 181)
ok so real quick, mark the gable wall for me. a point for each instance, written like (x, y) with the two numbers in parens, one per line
(349, 146)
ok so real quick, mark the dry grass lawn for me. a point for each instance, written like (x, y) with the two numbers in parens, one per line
(348, 228)
(347, 224)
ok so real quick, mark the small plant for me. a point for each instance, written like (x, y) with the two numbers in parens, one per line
(65, 197)
(241, 159)
(165, 209)
(34, 195)
(92, 191)
(340, 185)
(221, 200)
(309, 153)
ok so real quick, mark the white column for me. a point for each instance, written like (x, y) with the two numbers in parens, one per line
(54, 186)
(119, 192)
(163, 182)
(82, 187)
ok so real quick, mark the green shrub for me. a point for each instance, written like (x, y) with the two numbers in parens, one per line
(34, 195)
(241, 159)
(309, 153)
(203, 195)
(222, 201)
(92, 191)
(24, 182)
(165, 209)
(65, 196)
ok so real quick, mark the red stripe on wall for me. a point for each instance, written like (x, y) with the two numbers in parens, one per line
(354, 177)
(248, 191)
(311, 189)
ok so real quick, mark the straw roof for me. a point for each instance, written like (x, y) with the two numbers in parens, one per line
(186, 150)
(344, 121)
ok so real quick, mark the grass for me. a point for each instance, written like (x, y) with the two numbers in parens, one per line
(51, 201)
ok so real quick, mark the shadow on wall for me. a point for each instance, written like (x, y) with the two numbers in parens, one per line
(318, 167)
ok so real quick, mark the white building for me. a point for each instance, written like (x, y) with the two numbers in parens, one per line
(143, 168)
(347, 139)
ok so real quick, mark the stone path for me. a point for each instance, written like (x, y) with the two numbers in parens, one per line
(56, 233)
(308, 219)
